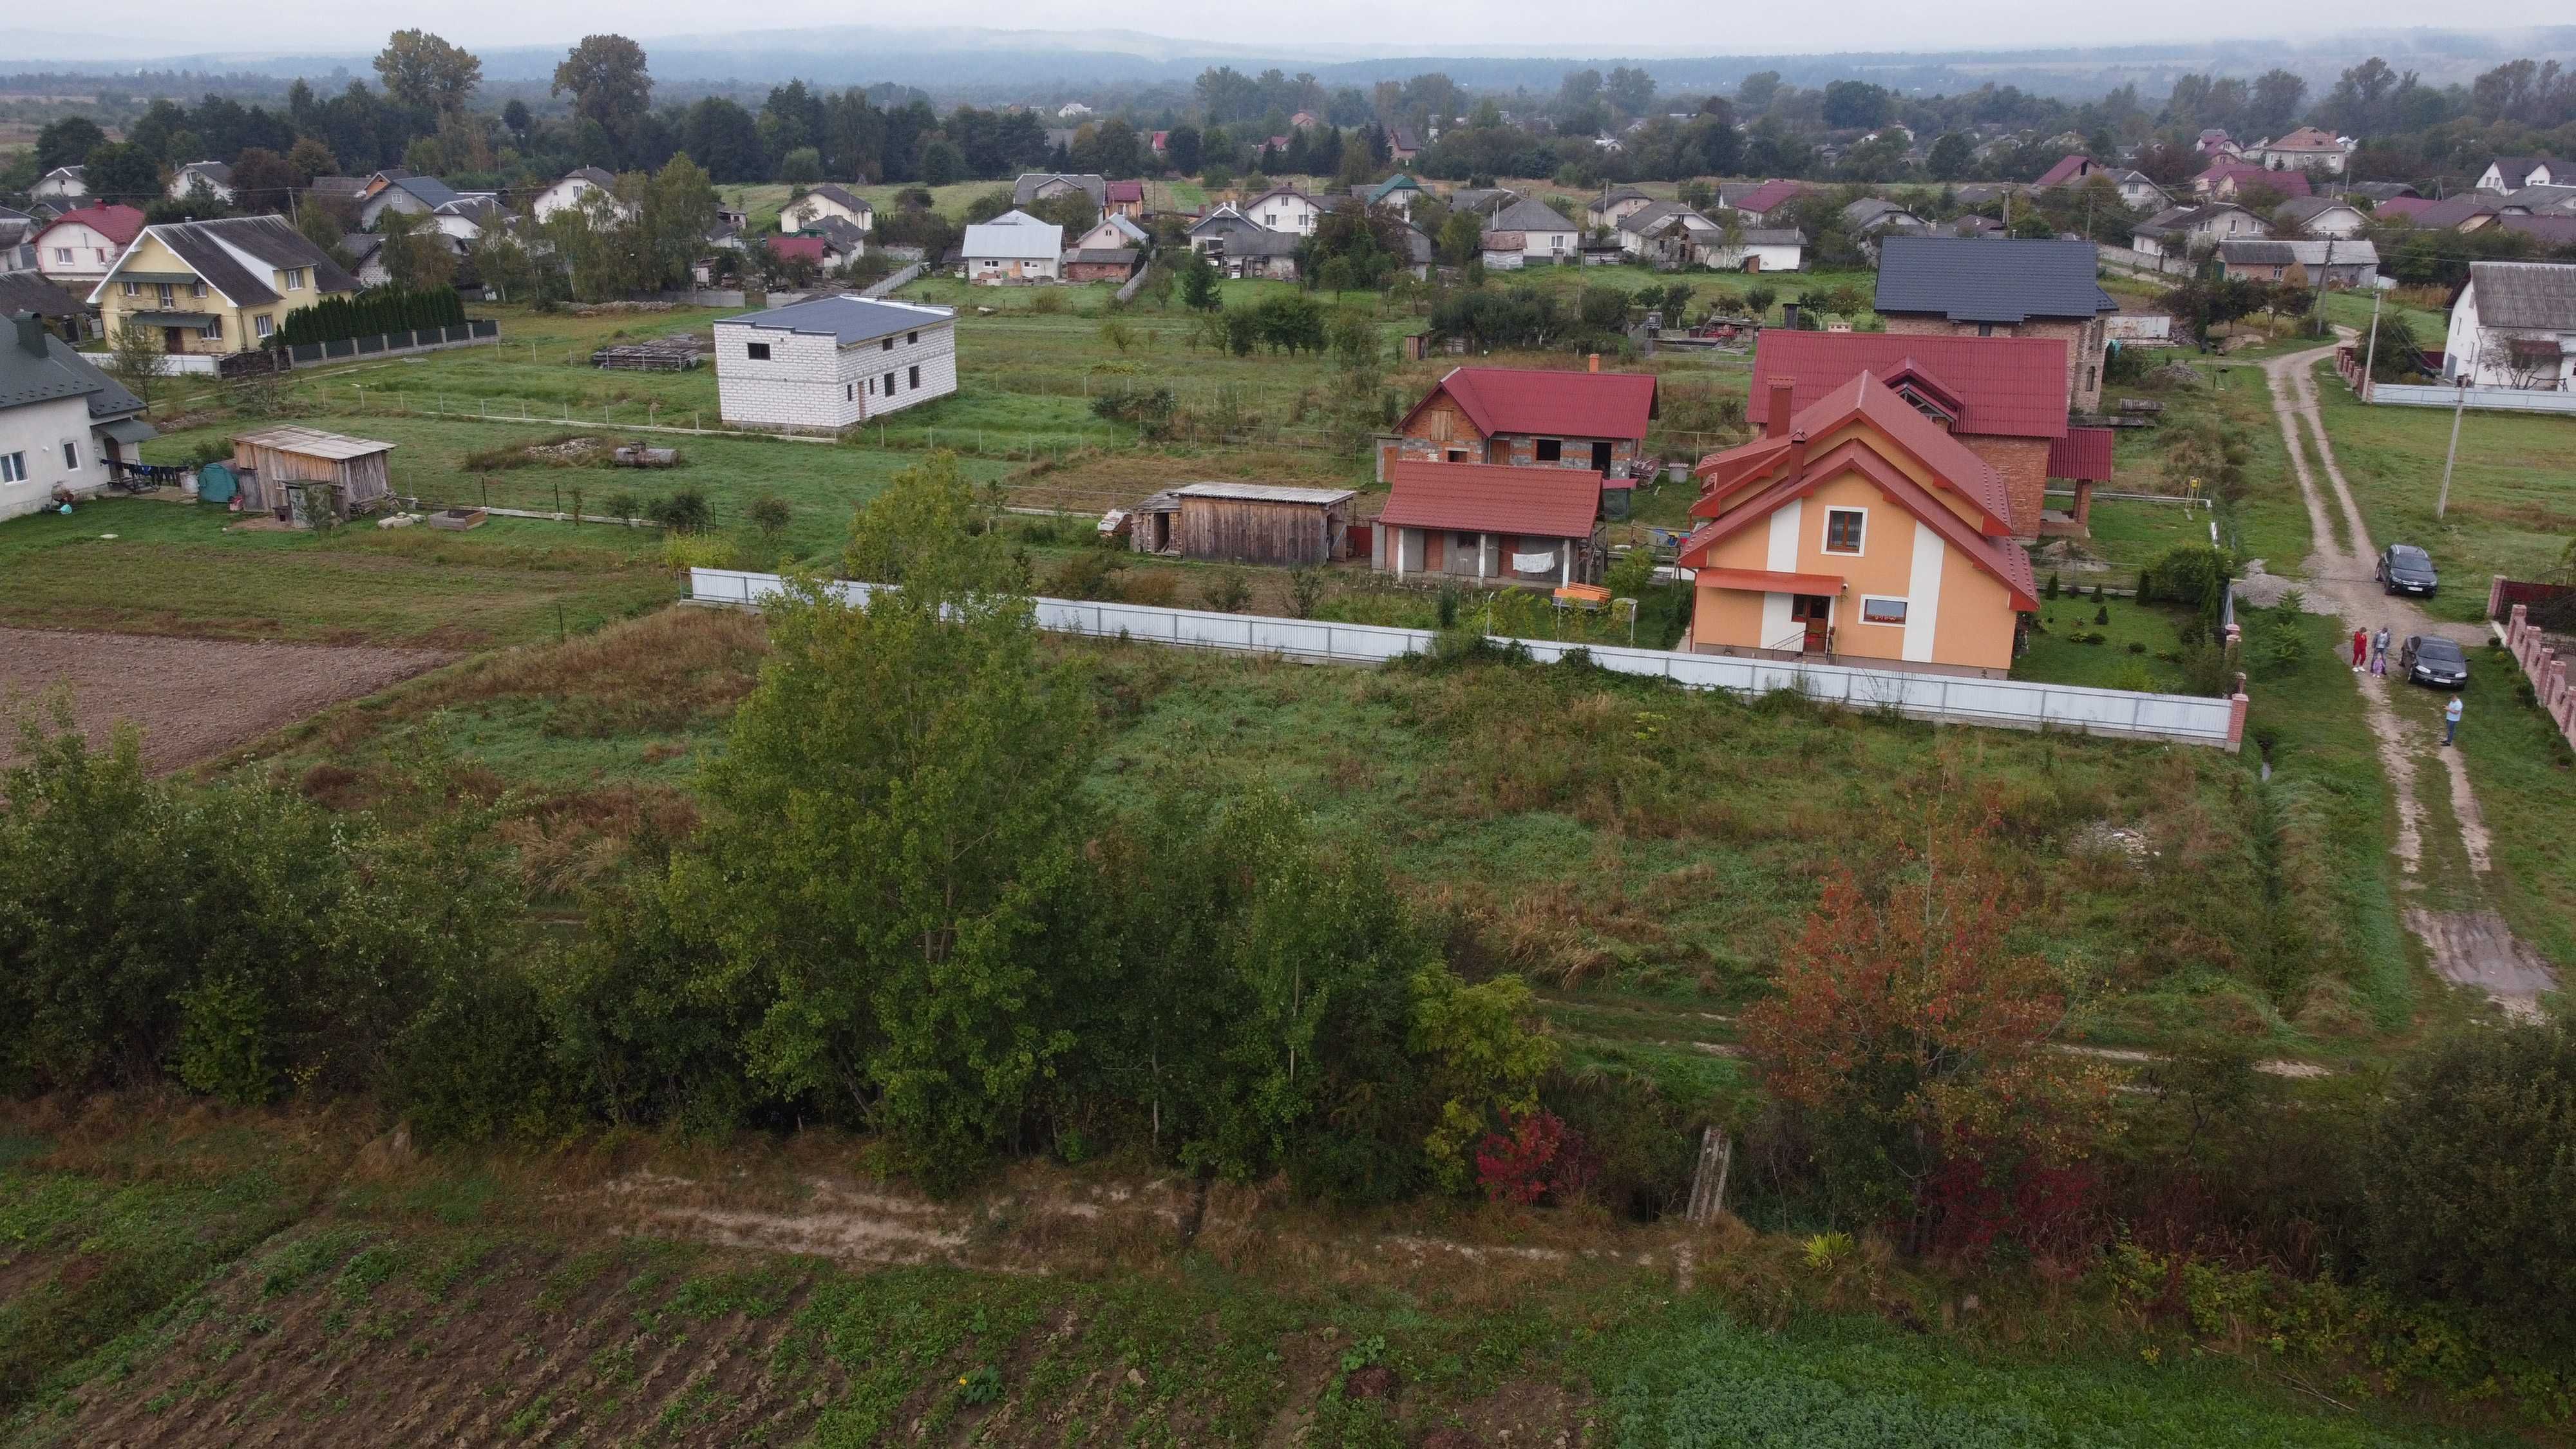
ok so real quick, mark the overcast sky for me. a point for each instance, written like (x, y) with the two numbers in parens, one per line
(1539, 27)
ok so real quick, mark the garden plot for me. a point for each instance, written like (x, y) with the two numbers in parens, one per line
(190, 697)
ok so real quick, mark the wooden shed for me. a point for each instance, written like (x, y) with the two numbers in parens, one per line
(277, 468)
(1256, 523)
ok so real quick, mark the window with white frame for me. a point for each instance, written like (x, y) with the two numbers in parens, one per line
(196, 289)
(1845, 529)
(1882, 611)
(264, 323)
(295, 279)
(63, 255)
(13, 467)
(163, 293)
(132, 288)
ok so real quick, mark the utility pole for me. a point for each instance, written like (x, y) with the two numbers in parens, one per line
(2442, 504)
(2370, 355)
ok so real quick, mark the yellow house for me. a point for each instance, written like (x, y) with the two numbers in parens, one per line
(1857, 531)
(210, 288)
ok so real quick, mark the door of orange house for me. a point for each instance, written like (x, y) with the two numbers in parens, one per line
(1814, 611)
(174, 339)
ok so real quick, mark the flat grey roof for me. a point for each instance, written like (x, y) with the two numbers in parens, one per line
(847, 319)
(1262, 492)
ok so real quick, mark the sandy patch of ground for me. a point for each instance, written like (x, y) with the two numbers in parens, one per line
(191, 697)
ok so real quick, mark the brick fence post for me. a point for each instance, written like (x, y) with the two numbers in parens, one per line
(2236, 706)
(2514, 625)
(2553, 683)
(2495, 595)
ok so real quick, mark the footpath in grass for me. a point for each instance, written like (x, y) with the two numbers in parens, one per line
(2510, 511)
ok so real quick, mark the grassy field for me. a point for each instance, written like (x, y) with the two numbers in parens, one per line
(2509, 510)
(2526, 788)
(2136, 637)
(144, 566)
(239, 1276)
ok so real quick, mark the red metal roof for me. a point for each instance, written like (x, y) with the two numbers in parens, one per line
(2083, 455)
(119, 224)
(2064, 171)
(2401, 206)
(1493, 498)
(1770, 581)
(1126, 191)
(1549, 403)
(808, 247)
(2011, 387)
(1770, 194)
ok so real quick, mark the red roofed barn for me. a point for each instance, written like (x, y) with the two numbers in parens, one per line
(2004, 397)
(1529, 417)
(1857, 529)
(1491, 523)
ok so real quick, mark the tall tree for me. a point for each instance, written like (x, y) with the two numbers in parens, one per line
(609, 85)
(420, 69)
(894, 844)
(67, 142)
(123, 172)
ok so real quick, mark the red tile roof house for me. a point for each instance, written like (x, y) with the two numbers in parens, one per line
(2069, 171)
(1126, 198)
(1528, 417)
(2226, 179)
(2003, 397)
(1490, 524)
(1856, 530)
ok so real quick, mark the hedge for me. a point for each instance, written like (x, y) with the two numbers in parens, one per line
(371, 312)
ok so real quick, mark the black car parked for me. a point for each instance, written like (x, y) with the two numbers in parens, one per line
(2426, 659)
(2406, 569)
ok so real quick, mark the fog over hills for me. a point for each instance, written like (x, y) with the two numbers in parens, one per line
(981, 64)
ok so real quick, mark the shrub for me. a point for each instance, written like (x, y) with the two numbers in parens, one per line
(623, 506)
(1157, 589)
(1090, 574)
(1226, 591)
(1305, 591)
(684, 511)
(2474, 1156)
(770, 514)
(2101, 615)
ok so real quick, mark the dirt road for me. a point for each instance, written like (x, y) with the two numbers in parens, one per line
(2471, 948)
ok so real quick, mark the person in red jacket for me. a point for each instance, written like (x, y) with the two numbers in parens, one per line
(2360, 648)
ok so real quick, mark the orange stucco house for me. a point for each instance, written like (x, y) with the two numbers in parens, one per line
(1856, 530)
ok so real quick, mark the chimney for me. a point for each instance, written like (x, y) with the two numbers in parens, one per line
(1798, 453)
(31, 332)
(1596, 363)
(1777, 424)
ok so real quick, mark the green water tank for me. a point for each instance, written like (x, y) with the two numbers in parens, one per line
(215, 484)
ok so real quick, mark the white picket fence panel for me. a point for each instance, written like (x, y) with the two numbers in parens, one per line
(1948, 699)
(2491, 399)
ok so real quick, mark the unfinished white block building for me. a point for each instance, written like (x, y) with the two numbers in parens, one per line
(832, 363)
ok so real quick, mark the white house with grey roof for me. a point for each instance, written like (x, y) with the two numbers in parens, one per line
(1013, 247)
(62, 421)
(2514, 325)
(574, 190)
(1529, 231)
(832, 363)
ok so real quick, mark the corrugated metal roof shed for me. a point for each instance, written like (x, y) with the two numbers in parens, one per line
(2537, 295)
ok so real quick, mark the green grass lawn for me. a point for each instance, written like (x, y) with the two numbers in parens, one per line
(2510, 511)
(171, 568)
(2130, 655)
(823, 484)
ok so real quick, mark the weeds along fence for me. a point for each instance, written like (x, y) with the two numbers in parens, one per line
(1945, 699)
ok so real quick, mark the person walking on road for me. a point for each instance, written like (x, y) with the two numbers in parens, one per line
(2360, 648)
(2379, 651)
(2451, 721)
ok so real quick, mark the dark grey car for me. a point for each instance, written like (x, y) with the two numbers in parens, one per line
(2427, 659)
(2406, 569)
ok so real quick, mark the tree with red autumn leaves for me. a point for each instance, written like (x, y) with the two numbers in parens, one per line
(1909, 1043)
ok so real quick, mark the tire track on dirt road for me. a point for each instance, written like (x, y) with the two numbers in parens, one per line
(2470, 948)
